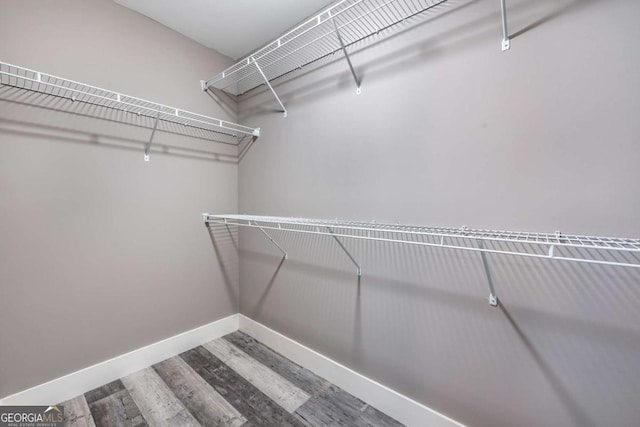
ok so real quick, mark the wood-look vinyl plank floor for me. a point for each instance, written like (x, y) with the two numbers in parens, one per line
(256, 407)
(206, 404)
(294, 373)
(334, 407)
(233, 381)
(104, 391)
(266, 380)
(77, 413)
(371, 417)
(118, 410)
(158, 405)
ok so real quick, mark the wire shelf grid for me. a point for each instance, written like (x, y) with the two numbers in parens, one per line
(316, 38)
(24, 78)
(624, 252)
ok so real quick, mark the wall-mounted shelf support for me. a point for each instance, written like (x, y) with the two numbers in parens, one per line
(493, 297)
(266, 81)
(358, 269)
(147, 147)
(271, 239)
(346, 55)
(506, 44)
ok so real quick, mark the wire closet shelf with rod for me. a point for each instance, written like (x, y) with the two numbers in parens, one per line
(331, 31)
(179, 119)
(557, 246)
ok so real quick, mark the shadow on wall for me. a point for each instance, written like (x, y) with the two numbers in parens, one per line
(481, 29)
(47, 116)
(572, 324)
(225, 246)
(560, 8)
(577, 412)
(224, 101)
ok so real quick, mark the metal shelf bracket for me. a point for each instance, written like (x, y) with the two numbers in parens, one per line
(266, 81)
(358, 269)
(493, 298)
(272, 241)
(346, 55)
(147, 147)
(505, 33)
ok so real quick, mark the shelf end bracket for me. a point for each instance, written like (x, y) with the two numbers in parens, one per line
(493, 300)
(506, 44)
(266, 80)
(358, 269)
(346, 55)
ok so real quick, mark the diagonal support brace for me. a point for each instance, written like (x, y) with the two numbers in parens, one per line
(505, 33)
(266, 80)
(358, 269)
(493, 298)
(246, 147)
(271, 239)
(346, 55)
(147, 147)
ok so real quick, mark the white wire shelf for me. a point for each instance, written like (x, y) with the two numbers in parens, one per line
(539, 245)
(613, 251)
(24, 78)
(316, 38)
(334, 29)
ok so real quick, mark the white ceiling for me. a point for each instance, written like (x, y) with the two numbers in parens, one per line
(232, 27)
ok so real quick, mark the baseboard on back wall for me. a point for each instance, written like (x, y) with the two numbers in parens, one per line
(79, 382)
(394, 404)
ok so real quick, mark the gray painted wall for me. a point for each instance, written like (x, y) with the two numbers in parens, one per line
(449, 131)
(100, 252)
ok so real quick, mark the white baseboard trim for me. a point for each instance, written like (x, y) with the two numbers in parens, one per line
(79, 382)
(392, 403)
(398, 406)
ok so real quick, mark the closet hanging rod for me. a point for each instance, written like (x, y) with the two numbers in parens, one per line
(24, 78)
(621, 252)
